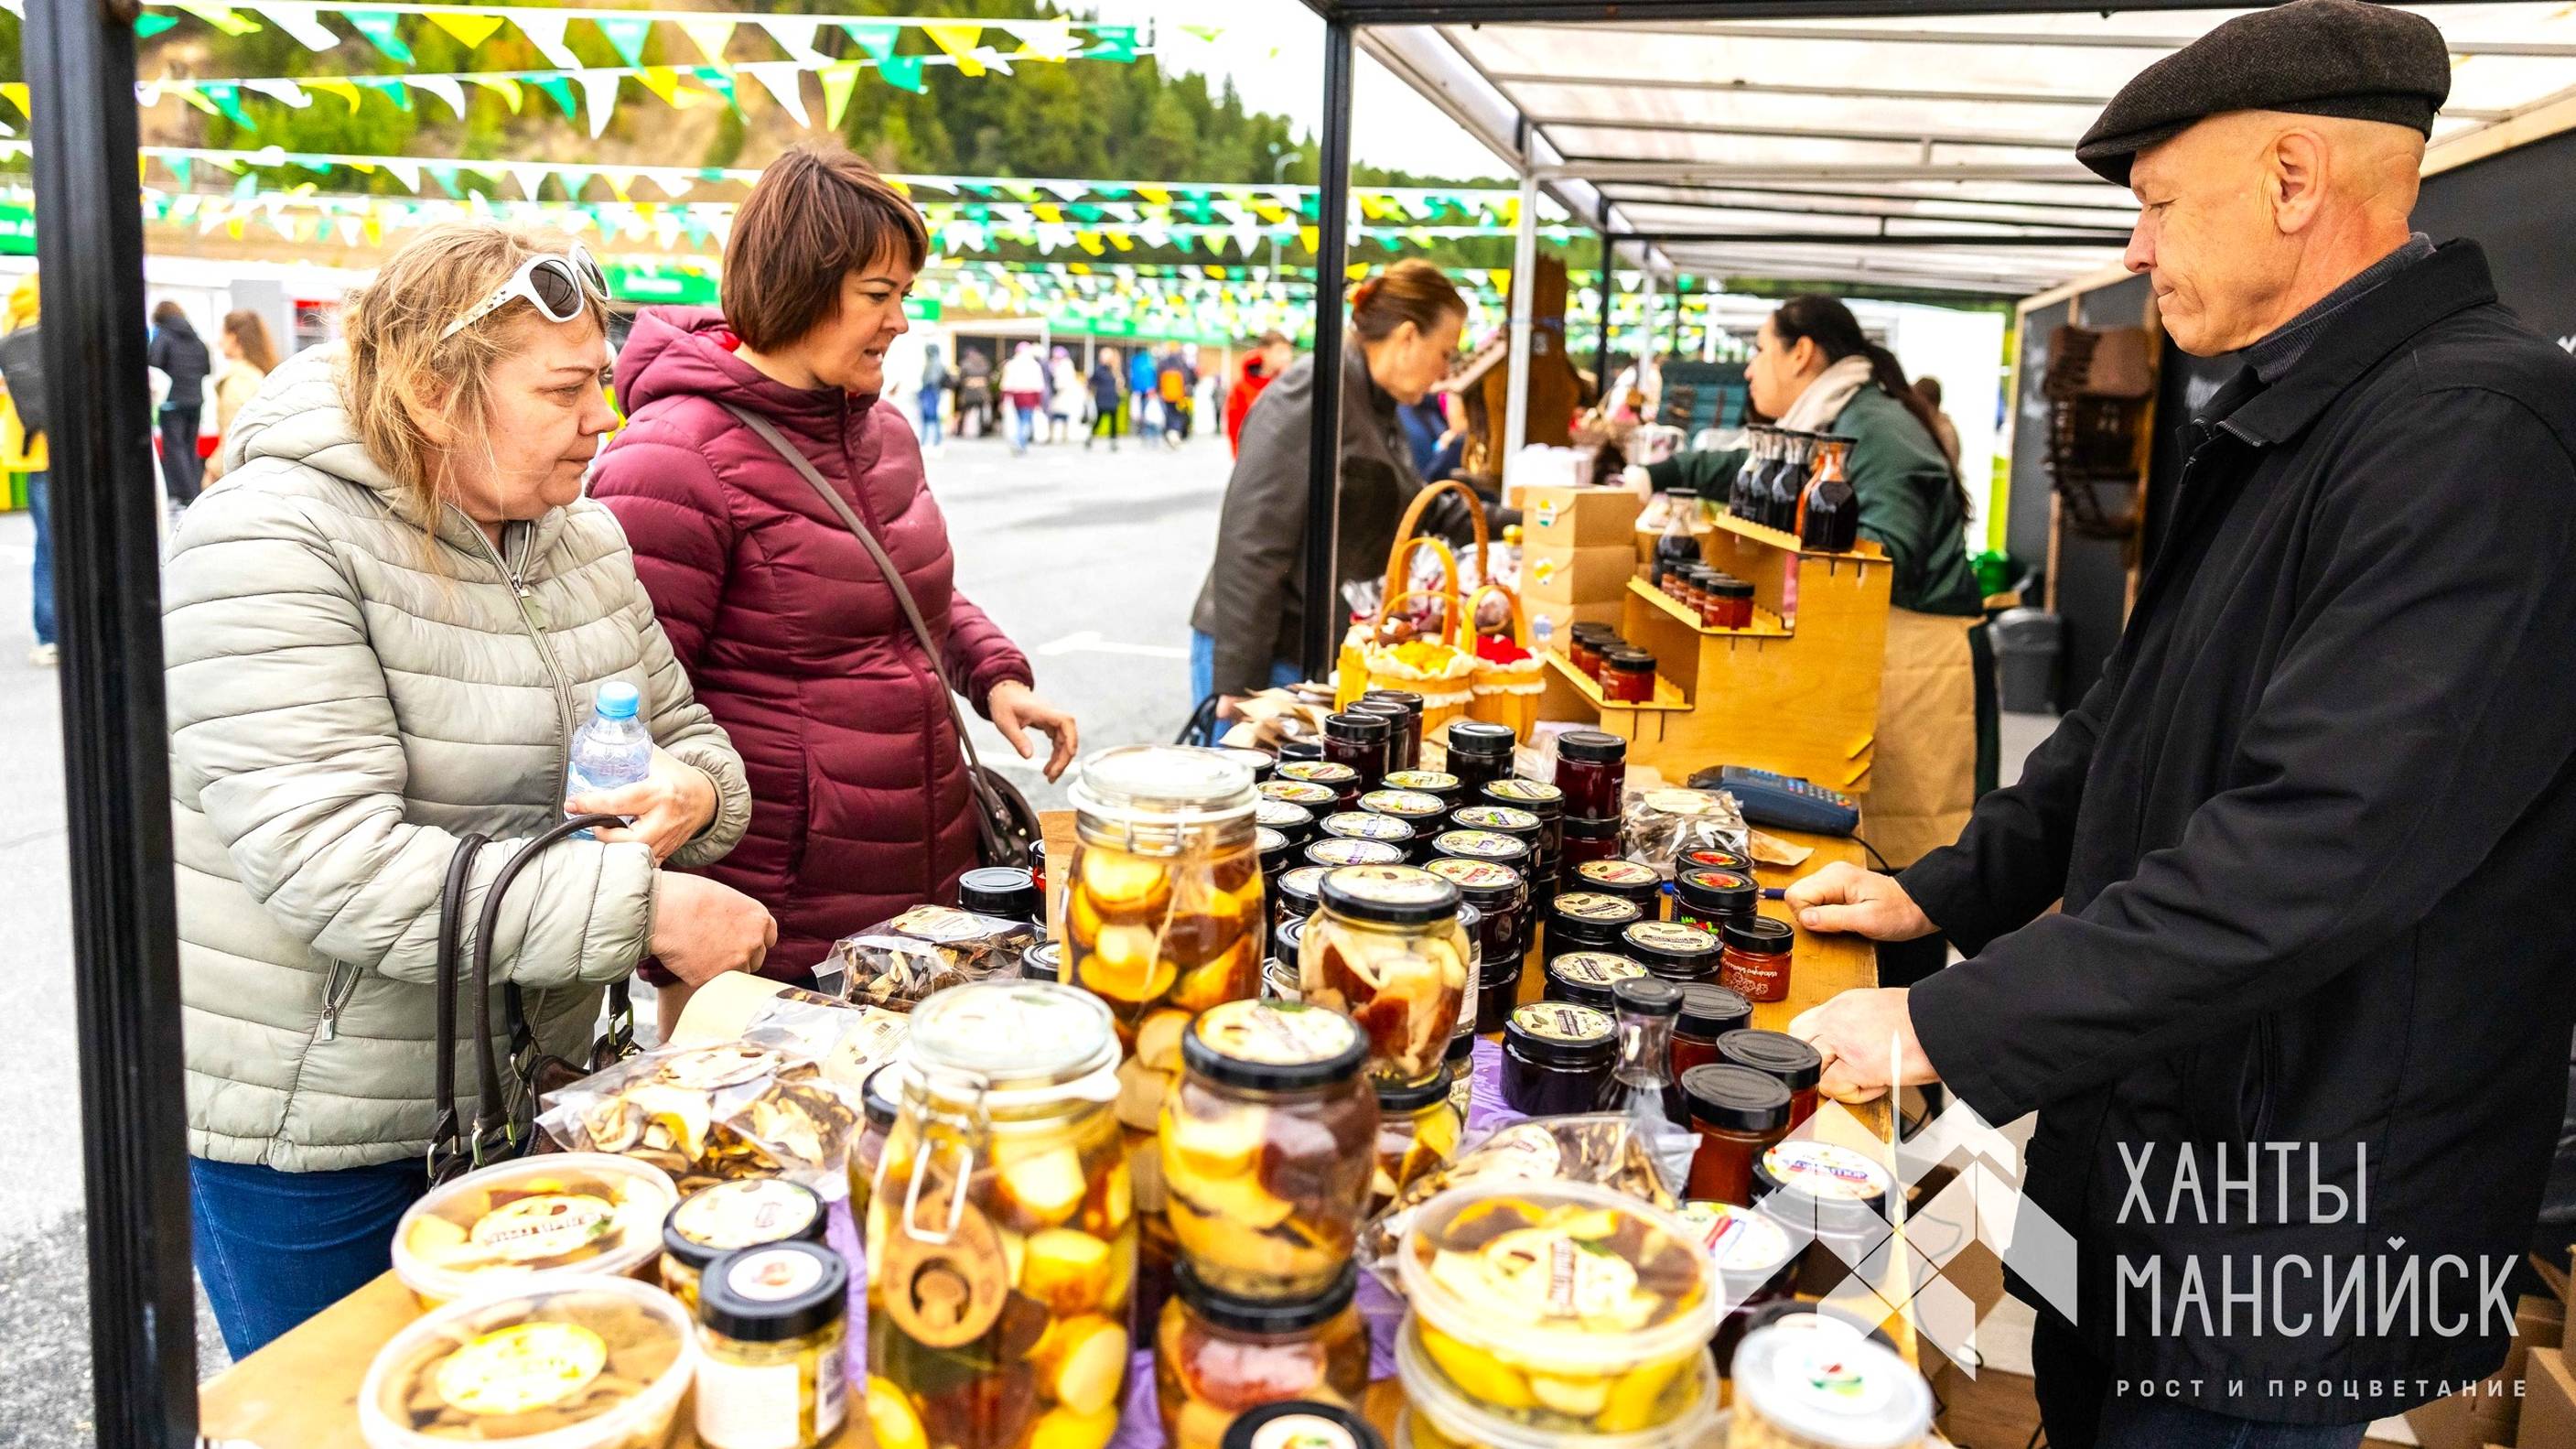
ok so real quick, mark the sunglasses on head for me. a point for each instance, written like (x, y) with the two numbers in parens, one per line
(559, 286)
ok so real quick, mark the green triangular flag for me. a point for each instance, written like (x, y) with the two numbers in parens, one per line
(559, 90)
(148, 26)
(903, 71)
(1208, 33)
(626, 36)
(389, 87)
(839, 79)
(378, 26)
(445, 176)
(181, 167)
(227, 99)
(720, 80)
(876, 37)
(1111, 42)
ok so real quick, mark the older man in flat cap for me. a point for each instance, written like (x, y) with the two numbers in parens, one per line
(2296, 1034)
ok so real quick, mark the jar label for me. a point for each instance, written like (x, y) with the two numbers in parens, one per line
(1343, 851)
(1474, 874)
(1548, 1274)
(544, 1226)
(1495, 817)
(1393, 885)
(1821, 1374)
(1302, 1431)
(1296, 792)
(774, 1275)
(1479, 845)
(1825, 1170)
(1618, 873)
(1717, 860)
(1536, 792)
(1593, 906)
(1684, 802)
(1594, 968)
(942, 1295)
(1275, 1034)
(1282, 815)
(523, 1367)
(1717, 880)
(1357, 825)
(1739, 1240)
(1401, 802)
(1430, 781)
(1562, 1021)
(1755, 978)
(1672, 937)
(1319, 772)
(745, 1213)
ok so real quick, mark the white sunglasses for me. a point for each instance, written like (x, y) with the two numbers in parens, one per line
(558, 286)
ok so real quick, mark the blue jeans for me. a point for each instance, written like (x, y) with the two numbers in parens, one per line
(931, 435)
(41, 577)
(2085, 1409)
(1024, 427)
(275, 1248)
(1283, 672)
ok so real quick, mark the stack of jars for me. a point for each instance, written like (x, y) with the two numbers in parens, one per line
(1592, 777)
(1720, 599)
(1624, 671)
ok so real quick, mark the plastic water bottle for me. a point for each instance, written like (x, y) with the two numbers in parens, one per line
(612, 750)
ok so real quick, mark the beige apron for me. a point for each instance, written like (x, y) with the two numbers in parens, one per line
(1923, 774)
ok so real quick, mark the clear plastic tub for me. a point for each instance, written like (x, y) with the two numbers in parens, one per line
(499, 1229)
(568, 1364)
(1811, 1382)
(1566, 1308)
(1438, 1416)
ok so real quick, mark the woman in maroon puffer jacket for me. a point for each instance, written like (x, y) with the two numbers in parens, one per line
(792, 639)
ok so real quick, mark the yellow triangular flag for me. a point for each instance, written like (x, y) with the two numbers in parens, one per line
(960, 42)
(662, 81)
(1090, 241)
(1311, 238)
(469, 30)
(711, 37)
(345, 90)
(16, 91)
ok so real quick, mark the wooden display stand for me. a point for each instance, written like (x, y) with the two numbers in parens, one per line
(1796, 692)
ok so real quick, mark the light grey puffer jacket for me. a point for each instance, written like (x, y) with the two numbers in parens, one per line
(347, 699)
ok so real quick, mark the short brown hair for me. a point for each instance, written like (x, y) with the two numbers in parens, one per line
(817, 214)
(1412, 291)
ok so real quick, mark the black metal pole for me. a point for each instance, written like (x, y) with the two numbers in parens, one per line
(1609, 287)
(1324, 611)
(107, 583)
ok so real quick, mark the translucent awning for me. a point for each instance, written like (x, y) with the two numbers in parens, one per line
(1923, 152)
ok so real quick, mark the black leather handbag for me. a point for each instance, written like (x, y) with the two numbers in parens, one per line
(1006, 825)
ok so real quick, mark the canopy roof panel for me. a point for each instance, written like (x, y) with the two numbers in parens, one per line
(1940, 145)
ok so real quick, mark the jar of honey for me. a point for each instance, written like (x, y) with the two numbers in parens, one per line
(1757, 958)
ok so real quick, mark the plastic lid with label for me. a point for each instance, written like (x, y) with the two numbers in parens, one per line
(1481, 845)
(1363, 825)
(1407, 805)
(1717, 892)
(1821, 1186)
(561, 1214)
(1620, 875)
(1538, 797)
(1591, 913)
(1776, 1053)
(1716, 857)
(1827, 1386)
(1501, 819)
(1273, 1046)
(1329, 773)
(1562, 1034)
(1390, 895)
(774, 1293)
(1746, 1246)
(1300, 1424)
(1301, 889)
(1489, 881)
(1341, 851)
(743, 1213)
(1670, 948)
(1305, 794)
(1585, 977)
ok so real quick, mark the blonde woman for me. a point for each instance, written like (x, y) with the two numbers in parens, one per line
(381, 634)
(249, 357)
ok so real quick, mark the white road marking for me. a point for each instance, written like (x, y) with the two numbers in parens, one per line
(1090, 641)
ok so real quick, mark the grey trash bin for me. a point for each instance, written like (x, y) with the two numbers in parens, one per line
(2028, 645)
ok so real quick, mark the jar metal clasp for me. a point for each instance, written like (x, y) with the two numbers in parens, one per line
(971, 1088)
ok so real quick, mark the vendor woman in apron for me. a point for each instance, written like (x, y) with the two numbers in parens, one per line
(1814, 372)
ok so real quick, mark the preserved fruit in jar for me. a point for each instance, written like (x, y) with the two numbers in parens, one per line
(1266, 1147)
(1387, 949)
(1163, 904)
(1217, 1355)
(1418, 1127)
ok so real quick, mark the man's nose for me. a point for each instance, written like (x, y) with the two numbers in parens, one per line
(2140, 255)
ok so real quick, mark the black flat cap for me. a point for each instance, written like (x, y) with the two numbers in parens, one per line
(2315, 57)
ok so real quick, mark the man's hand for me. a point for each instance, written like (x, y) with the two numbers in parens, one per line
(1016, 710)
(1858, 1033)
(669, 806)
(1844, 897)
(703, 929)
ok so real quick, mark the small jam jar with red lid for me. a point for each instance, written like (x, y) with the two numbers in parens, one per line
(1709, 1011)
(1636, 884)
(1592, 770)
(1709, 899)
(1585, 978)
(1757, 959)
(1671, 950)
(1587, 921)
(1797, 1065)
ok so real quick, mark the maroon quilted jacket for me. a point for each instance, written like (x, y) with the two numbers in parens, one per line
(790, 635)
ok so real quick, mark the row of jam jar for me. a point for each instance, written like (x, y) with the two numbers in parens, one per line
(1720, 599)
(1715, 937)
(1625, 672)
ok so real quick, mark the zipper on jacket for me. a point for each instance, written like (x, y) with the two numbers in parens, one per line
(343, 984)
(513, 573)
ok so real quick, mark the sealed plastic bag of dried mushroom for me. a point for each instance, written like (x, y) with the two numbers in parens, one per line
(926, 949)
(758, 1107)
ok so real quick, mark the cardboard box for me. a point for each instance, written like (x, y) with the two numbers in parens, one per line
(2492, 1412)
(1577, 575)
(2548, 1404)
(1578, 517)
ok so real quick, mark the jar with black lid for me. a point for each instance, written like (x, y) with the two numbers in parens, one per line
(1636, 884)
(1587, 921)
(1500, 895)
(1587, 841)
(1294, 821)
(1342, 779)
(1340, 851)
(1361, 741)
(1297, 894)
(1547, 803)
(1521, 825)
(1279, 973)
(1217, 1353)
(1709, 898)
(1479, 752)
(772, 1324)
(1482, 845)
(1586, 977)
(1462, 1074)
(1006, 891)
(1448, 789)
(1274, 849)
(1387, 948)
(1628, 676)
(1260, 762)
(1303, 1424)
(1404, 744)
(1304, 794)
(880, 1097)
(1671, 950)
(1708, 1012)
(1418, 808)
(1716, 857)
(744, 1212)
(1472, 922)
(1795, 1064)
(1361, 825)
(1737, 1112)
(1556, 1055)
(1043, 961)
(1592, 770)
(1758, 953)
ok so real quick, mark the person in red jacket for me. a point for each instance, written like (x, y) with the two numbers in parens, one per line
(1267, 362)
(790, 634)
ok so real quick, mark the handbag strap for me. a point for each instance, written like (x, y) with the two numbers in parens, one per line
(990, 808)
(443, 1145)
(494, 1129)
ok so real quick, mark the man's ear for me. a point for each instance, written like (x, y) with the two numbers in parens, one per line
(2294, 178)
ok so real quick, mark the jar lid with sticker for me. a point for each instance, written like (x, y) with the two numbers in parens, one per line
(1409, 806)
(1829, 1387)
(1305, 794)
(1481, 845)
(1362, 825)
(1300, 1424)
(1339, 851)
(1538, 797)
(774, 1293)
(1273, 1046)
(1439, 784)
(1390, 895)
(1286, 817)
(1301, 890)
(1672, 949)
(1591, 914)
(1488, 883)
(1585, 977)
(1332, 774)
(1501, 819)
(1562, 1034)
(747, 1212)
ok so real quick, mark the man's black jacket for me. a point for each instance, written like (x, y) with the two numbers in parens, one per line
(2315, 832)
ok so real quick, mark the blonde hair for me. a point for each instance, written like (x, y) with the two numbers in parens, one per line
(411, 393)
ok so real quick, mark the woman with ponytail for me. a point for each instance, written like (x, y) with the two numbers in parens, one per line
(1816, 372)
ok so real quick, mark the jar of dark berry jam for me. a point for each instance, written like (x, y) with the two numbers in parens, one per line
(1304, 794)
(1587, 921)
(1709, 899)
(1479, 754)
(1341, 779)
(1671, 950)
(1404, 747)
(1585, 842)
(1501, 896)
(1420, 809)
(1556, 1055)
(1585, 978)
(1438, 784)
(1361, 741)
(1592, 770)
(1636, 884)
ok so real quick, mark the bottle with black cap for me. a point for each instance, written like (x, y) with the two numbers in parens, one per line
(1479, 754)
(1641, 1082)
(772, 1321)
(1006, 891)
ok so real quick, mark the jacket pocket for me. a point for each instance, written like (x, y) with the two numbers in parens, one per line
(341, 984)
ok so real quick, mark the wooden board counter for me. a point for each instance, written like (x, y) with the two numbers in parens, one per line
(301, 1391)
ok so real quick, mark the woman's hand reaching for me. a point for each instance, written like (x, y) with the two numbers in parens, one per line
(1016, 709)
(669, 806)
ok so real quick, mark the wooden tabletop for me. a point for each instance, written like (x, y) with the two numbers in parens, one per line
(301, 1391)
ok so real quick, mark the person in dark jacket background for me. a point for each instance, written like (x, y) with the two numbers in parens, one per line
(181, 355)
(1250, 616)
(2299, 1028)
(1108, 400)
(861, 804)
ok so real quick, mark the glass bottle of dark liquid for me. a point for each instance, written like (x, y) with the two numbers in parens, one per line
(1830, 521)
(1641, 1084)
(1677, 548)
(1759, 444)
(1780, 497)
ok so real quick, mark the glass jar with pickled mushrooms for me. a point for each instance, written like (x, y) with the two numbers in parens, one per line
(1418, 1127)
(1387, 949)
(1001, 1237)
(1218, 1355)
(1163, 906)
(1266, 1147)
(588, 1363)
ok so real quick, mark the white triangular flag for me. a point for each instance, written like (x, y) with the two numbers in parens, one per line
(796, 37)
(674, 182)
(280, 89)
(599, 97)
(350, 227)
(404, 169)
(784, 80)
(666, 229)
(710, 36)
(546, 33)
(305, 25)
(530, 176)
(446, 87)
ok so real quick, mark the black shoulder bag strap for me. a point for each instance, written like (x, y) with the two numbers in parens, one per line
(446, 1158)
(498, 1132)
(1005, 826)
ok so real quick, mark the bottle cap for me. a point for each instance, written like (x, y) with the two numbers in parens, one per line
(618, 700)
(774, 1293)
(1591, 746)
(1735, 1099)
(1774, 1053)
(1711, 1011)
(1758, 935)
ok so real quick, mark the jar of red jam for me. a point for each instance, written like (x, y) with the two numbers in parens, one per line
(1405, 752)
(1587, 841)
(1709, 1011)
(1583, 649)
(1731, 605)
(1364, 742)
(1501, 894)
(1592, 770)
(1671, 950)
(1709, 899)
(1480, 753)
(1629, 677)
(1440, 785)
(1585, 978)
(1587, 921)
(1636, 884)
(1715, 857)
(1795, 1064)
(1738, 1113)
(1756, 963)
(1336, 851)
